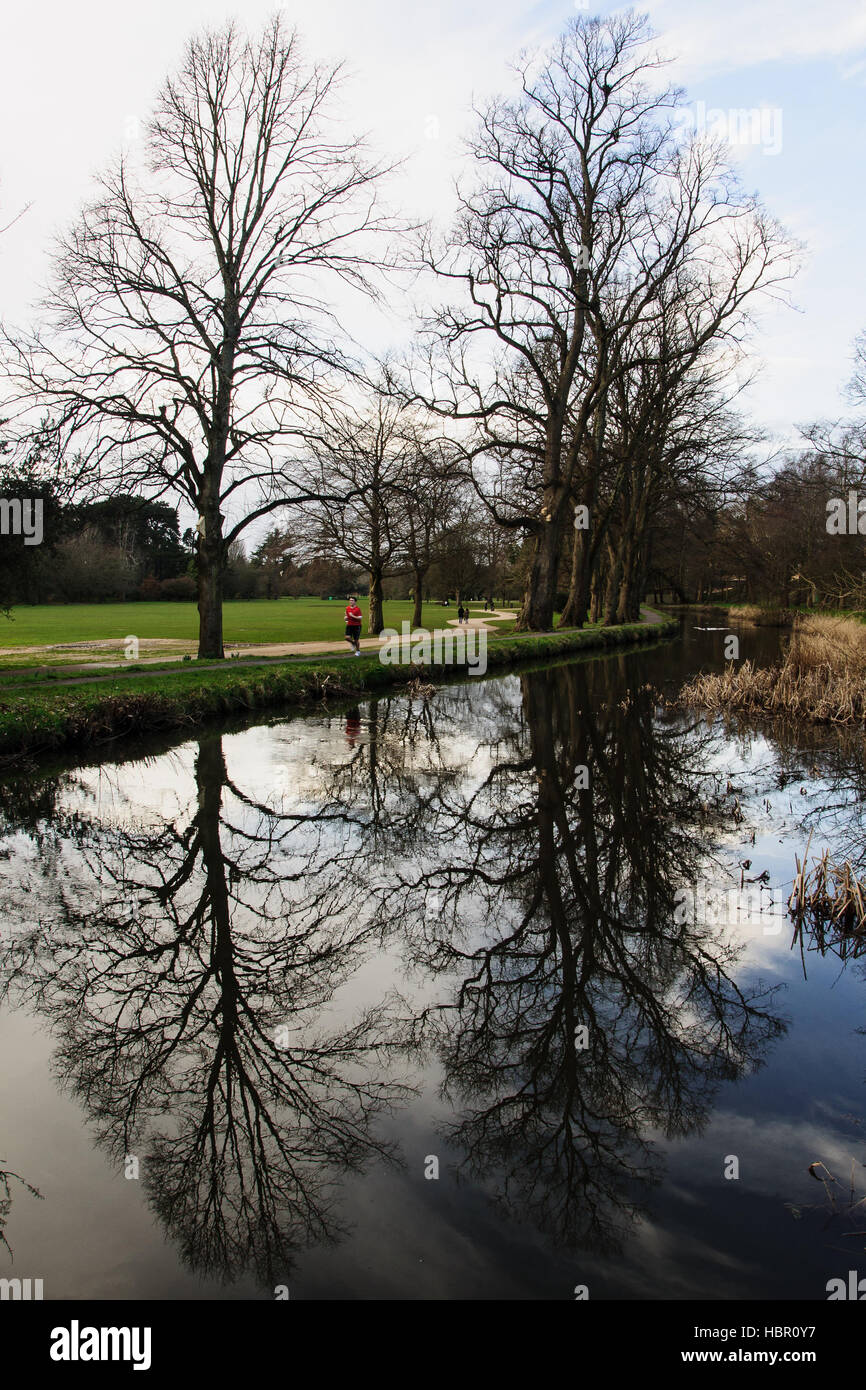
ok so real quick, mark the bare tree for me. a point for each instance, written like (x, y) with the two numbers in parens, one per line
(432, 485)
(588, 210)
(563, 171)
(189, 333)
(355, 476)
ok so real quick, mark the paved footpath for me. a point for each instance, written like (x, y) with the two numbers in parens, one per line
(265, 654)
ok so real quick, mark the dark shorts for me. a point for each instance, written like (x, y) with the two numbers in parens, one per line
(353, 633)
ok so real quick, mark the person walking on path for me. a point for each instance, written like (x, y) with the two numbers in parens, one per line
(353, 624)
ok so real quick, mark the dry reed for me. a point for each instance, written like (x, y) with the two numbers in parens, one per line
(828, 901)
(822, 677)
(760, 616)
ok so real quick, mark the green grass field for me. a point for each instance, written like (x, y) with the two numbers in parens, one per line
(279, 620)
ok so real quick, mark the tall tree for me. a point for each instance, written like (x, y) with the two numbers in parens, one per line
(561, 177)
(189, 328)
(587, 208)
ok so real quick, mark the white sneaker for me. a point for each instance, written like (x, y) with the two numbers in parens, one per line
(357, 653)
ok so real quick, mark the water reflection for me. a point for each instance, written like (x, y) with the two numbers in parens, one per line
(583, 1016)
(511, 850)
(9, 1182)
(182, 972)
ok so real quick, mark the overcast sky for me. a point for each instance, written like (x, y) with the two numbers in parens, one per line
(78, 82)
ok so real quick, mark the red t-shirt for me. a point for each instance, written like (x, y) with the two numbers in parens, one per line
(353, 615)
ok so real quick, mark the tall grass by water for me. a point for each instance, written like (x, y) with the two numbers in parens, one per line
(822, 677)
(828, 906)
(760, 615)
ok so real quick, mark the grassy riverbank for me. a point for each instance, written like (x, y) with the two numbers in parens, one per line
(35, 719)
(760, 615)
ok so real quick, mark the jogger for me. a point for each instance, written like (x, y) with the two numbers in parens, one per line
(353, 624)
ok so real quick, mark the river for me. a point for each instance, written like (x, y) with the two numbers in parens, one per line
(491, 996)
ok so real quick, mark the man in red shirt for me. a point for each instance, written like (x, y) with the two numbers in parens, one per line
(353, 624)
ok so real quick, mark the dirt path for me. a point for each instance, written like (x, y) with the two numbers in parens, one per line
(650, 616)
(175, 650)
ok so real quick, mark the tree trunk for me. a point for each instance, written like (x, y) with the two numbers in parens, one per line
(540, 599)
(637, 584)
(614, 584)
(636, 569)
(375, 621)
(418, 596)
(212, 550)
(568, 617)
(210, 561)
(596, 596)
(583, 582)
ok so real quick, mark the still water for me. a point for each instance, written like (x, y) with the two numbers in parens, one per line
(485, 997)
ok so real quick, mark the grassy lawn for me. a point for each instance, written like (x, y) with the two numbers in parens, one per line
(279, 620)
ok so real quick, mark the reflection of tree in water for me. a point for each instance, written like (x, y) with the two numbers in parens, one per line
(815, 773)
(553, 903)
(466, 824)
(8, 1182)
(838, 815)
(394, 759)
(187, 1004)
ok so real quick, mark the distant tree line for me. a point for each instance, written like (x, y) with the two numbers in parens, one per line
(127, 548)
(792, 534)
(775, 540)
(118, 549)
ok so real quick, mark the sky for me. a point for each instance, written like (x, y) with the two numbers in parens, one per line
(78, 82)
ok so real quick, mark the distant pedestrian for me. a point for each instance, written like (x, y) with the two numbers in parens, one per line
(354, 617)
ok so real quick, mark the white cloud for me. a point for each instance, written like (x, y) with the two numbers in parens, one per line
(717, 38)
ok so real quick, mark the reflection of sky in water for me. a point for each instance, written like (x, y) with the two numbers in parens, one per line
(370, 796)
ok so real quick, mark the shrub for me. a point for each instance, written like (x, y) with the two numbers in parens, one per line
(181, 589)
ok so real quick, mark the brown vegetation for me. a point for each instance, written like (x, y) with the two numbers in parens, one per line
(829, 902)
(760, 615)
(822, 677)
